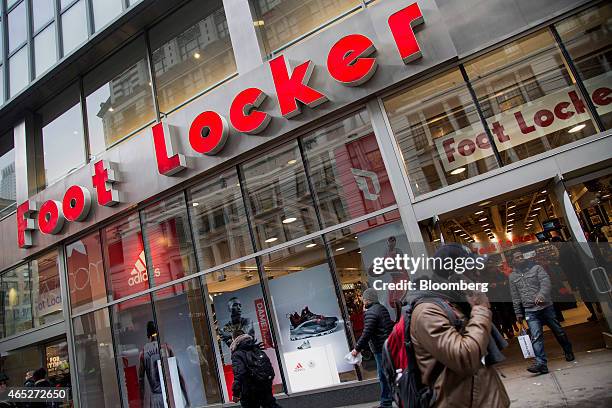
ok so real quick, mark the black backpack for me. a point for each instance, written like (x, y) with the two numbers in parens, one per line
(259, 366)
(406, 384)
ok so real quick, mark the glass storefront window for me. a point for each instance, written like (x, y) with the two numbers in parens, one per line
(17, 300)
(354, 249)
(18, 71)
(118, 96)
(104, 11)
(42, 13)
(44, 50)
(16, 363)
(95, 360)
(46, 292)
(168, 238)
(86, 282)
(192, 52)
(218, 216)
(347, 171)
(278, 196)
(17, 27)
(189, 365)
(528, 99)
(307, 314)
(282, 21)
(124, 258)
(237, 302)
(139, 354)
(63, 142)
(74, 27)
(587, 37)
(438, 128)
(8, 188)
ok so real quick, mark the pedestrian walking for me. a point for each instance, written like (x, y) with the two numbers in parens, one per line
(455, 342)
(253, 373)
(530, 288)
(377, 327)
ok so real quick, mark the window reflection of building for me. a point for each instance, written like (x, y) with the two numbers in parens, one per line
(588, 39)
(194, 60)
(425, 114)
(218, 215)
(278, 196)
(285, 20)
(125, 104)
(520, 78)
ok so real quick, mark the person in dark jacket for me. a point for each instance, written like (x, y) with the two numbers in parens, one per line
(246, 389)
(530, 289)
(377, 327)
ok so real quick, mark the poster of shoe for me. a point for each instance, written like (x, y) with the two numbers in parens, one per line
(308, 317)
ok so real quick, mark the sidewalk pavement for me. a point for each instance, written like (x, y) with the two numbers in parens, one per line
(585, 383)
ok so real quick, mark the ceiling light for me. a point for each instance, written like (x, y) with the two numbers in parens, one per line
(111, 109)
(339, 249)
(510, 220)
(312, 244)
(485, 225)
(196, 55)
(484, 203)
(270, 240)
(511, 214)
(541, 201)
(543, 192)
(537, 208)
(195, 204)
(359, 251)
(458, 230)
(511, 206)
(457, 171)
(292, 161)
(605, 196)
(479, 212)
(289, 220)
(483, 219)
(577, 128)
(509, 225)
(356, 237)
(436, 240)
(258, 23)
(488, 230)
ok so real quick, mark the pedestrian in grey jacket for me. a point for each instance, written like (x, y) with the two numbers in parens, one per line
(530, 288)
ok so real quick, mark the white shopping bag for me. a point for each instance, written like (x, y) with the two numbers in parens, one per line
(525, 343)
(356, 360)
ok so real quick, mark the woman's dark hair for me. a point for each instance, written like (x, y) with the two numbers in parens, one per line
(151, 329)
(39, 374)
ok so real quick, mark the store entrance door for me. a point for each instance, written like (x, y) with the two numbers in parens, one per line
(534, 222)
(586, 203)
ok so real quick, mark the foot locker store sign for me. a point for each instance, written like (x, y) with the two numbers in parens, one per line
(530, 121)
(384, 52)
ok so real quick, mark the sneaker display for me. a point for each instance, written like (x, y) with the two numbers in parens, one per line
(304, 345)
(308, 324)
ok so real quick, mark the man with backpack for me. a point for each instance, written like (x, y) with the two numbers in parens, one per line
(377, 327)
(253, 373)
(450, 345)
